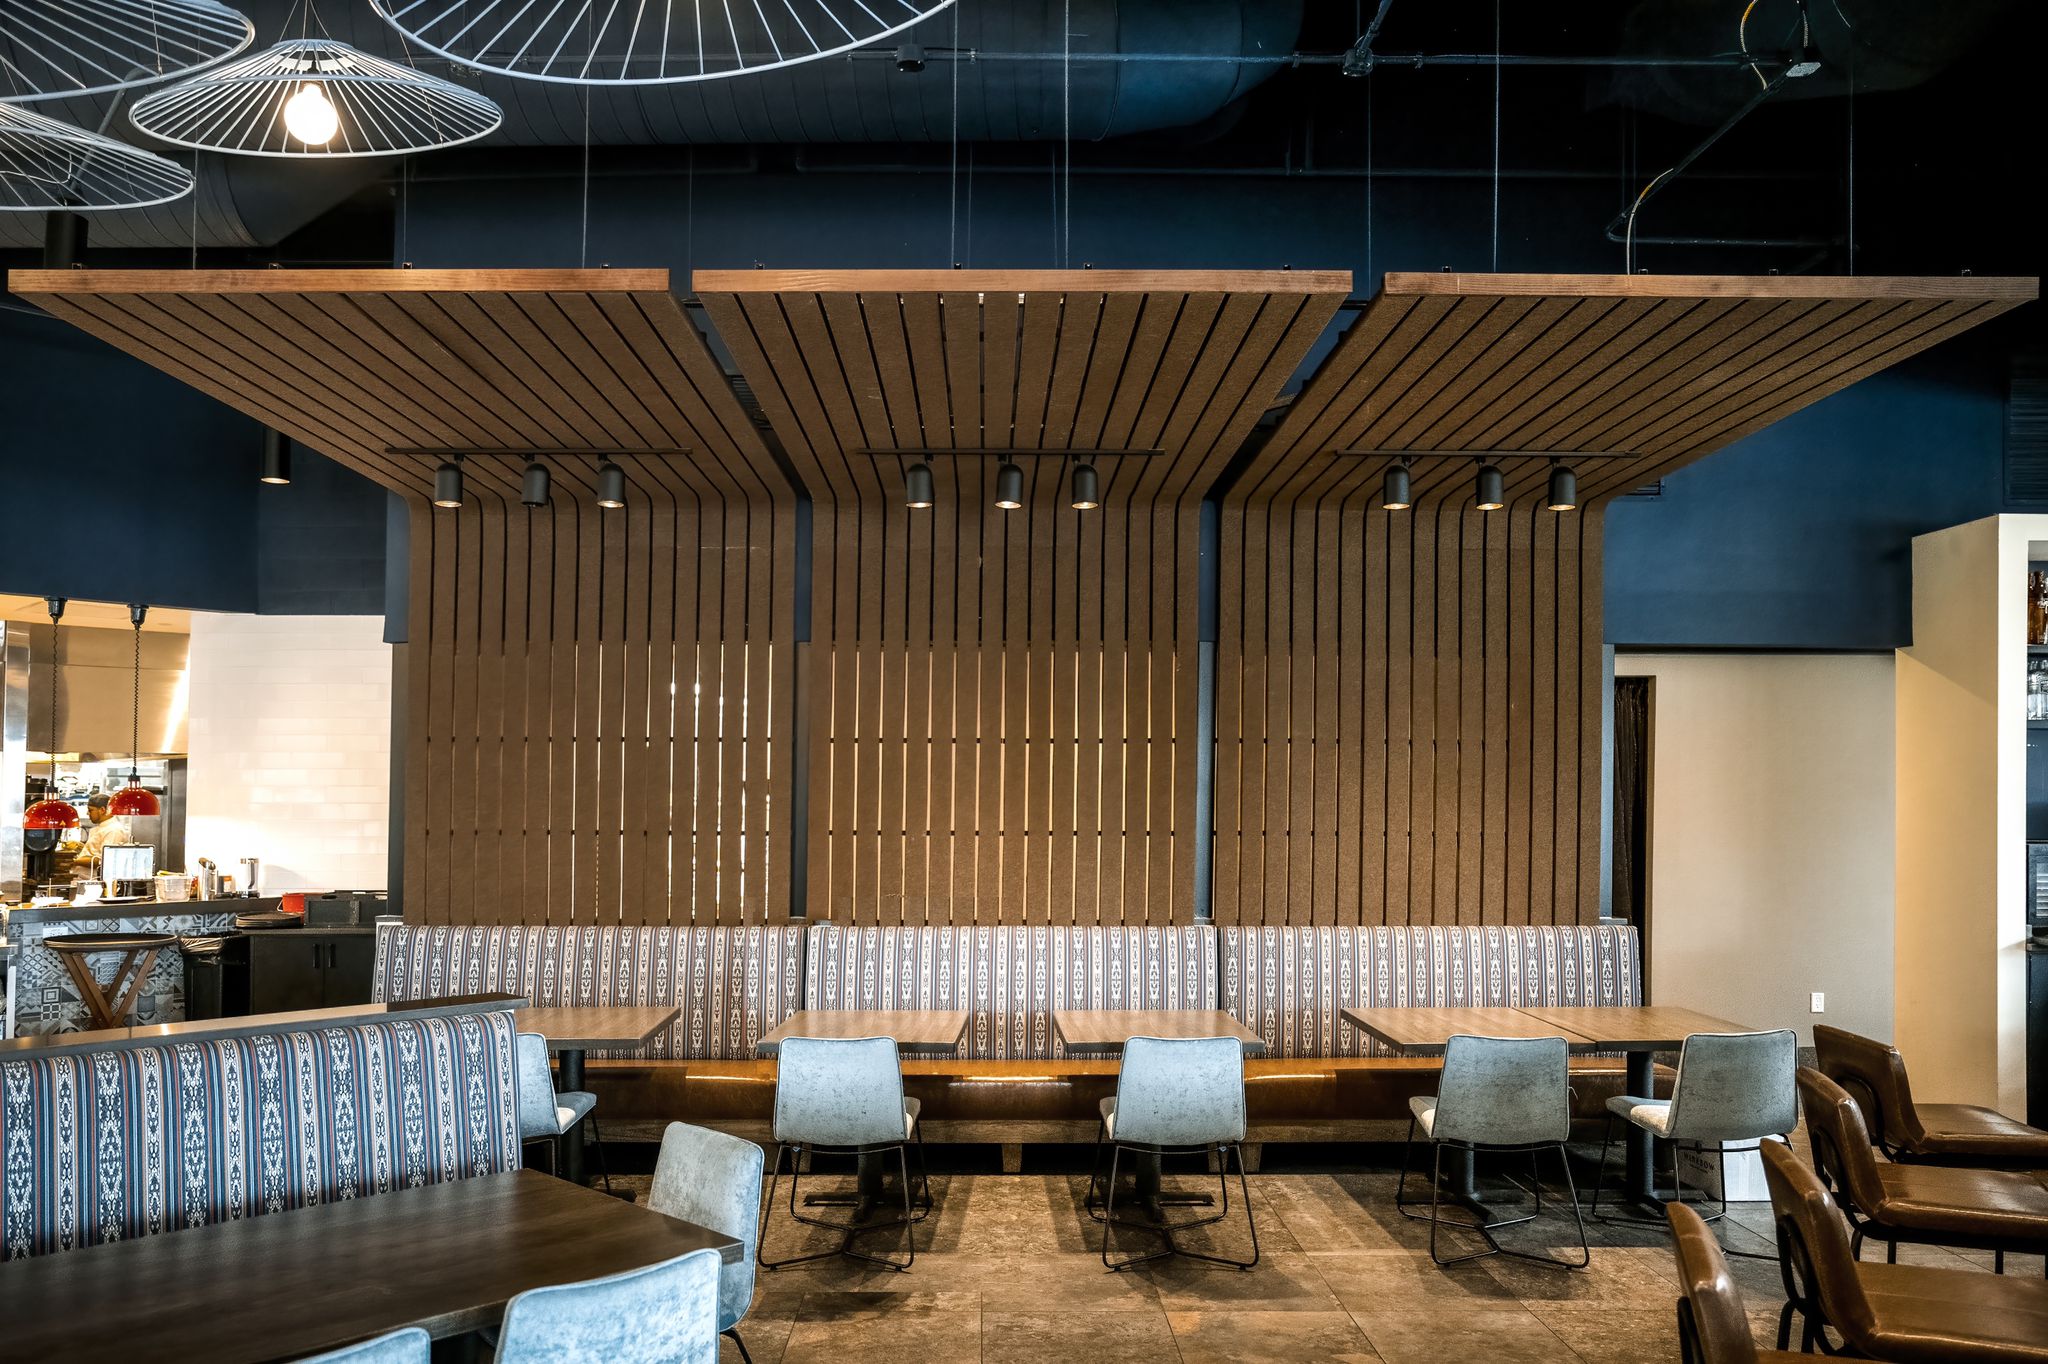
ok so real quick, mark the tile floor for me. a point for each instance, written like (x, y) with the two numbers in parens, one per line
(1007, 1273)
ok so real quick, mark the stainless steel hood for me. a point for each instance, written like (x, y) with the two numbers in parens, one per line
(94, 685)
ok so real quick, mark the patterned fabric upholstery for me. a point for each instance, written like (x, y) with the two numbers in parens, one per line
(733, 983)
(1010, 979)
(1288, 984)
(105, 1145)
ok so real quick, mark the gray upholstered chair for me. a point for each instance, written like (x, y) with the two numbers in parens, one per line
(1174, 1095)
(666, 1313)
(844, 1096)
(1732, 1089)
(545, 1115)
(714, 1180)
(1498, 1094)
(410, 1346)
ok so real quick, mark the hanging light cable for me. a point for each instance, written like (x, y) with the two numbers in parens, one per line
(50, 812)
(134, 798)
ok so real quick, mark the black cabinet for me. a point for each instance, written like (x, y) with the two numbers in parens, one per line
(307, 969)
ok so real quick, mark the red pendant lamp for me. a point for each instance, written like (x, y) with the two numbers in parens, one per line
(50, 812)
(134, 798)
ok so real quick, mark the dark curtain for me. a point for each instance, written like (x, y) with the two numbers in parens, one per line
(1631, 798)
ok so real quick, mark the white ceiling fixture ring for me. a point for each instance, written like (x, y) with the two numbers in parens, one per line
(47, 165)
(315, 97)
(57, 49)
(646, 42)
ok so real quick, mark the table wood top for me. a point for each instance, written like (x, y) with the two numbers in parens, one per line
(446, 1257)
(1100, 1030)
(1653, 1027)
(1425, 1031)
(916, 1031)
(578, 1027)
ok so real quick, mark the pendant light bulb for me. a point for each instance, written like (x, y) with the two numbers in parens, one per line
(1087, 491)
(1395, 494)
(534, 485)
(277, 458)
(917, 486)
(309, 116)
(611, 486)
(448, 485)
(1489, 492)
(1564, 489)
(1009, 486)
(50, 812)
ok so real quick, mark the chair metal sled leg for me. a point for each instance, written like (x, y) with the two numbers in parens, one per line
(733, 1334)
(1165, 1230)
(912, 1213)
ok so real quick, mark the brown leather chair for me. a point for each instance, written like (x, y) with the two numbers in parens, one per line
(1996, 1210)
(1923, 1134)
(1713, 1325)
(1905, 1313)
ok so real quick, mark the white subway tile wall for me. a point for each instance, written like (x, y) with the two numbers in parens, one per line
(291, 748)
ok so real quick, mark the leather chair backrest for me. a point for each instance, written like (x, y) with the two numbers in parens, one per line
(1712, 1311)
(1181, 1091)
(714, 1180)
(1813, 1233)
(1874, 1074)
(664, 1313)
(1841, 1142)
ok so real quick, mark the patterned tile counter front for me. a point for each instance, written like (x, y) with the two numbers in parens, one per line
(40, 995)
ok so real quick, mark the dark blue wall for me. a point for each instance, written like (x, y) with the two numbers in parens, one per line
(1801, 536)
(123, 484)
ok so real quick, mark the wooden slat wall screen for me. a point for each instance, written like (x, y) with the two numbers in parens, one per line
(1409, 703)
(999, 709)
(1002, 705)
(601, 705)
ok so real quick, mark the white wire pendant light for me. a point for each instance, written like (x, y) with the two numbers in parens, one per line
(645, 42)
(47, 165)
(315, 97)
(54, 49)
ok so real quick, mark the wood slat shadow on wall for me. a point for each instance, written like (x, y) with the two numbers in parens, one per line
(1002, 705)
(1408, 711)
(599, 704)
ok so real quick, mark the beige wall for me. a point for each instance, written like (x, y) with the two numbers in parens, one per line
(1962, 751)
(291, 748)
(1771, 836)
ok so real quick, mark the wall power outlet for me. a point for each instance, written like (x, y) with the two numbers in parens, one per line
(1820, 1002)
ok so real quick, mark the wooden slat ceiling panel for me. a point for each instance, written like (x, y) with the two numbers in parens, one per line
(1409, 706)
(1002, 704)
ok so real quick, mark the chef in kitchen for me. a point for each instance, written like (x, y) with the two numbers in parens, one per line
(107, 827)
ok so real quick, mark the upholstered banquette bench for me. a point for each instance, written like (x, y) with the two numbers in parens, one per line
(730, 983)
(1011, 1081)
(109, 1136)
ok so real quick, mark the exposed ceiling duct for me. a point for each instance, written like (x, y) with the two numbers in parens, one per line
(1136, 66)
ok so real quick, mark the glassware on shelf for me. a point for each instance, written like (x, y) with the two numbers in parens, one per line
(2037, 607)
(2037, 689)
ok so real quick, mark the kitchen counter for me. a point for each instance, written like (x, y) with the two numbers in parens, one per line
(141, 909)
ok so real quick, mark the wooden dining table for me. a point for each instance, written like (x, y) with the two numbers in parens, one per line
(1638, 1032)
(571, 1030)
(446, 1257)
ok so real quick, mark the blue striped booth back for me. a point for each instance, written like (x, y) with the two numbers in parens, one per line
(110, 1144)
(1288, 984)
(1010, 979)
(732, 982)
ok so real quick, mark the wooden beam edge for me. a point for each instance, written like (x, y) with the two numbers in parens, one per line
(2019, 289)
(29, 283)
(1020, 281)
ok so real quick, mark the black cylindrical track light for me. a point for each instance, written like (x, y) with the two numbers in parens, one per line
(611, 486)
(1087, 491)
(1564, 489)
(1394, 491)
(277, 458)
(534, 485)
(448, 485)
(1009, 486)
(917, 485)
(1488, 490)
